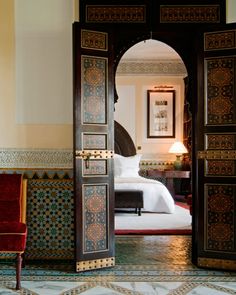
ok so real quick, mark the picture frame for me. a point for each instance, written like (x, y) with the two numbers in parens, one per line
(161, 113)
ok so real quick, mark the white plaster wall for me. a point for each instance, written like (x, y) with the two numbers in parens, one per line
(43, 31)
(230, 11)
(26, 80)
(150, 148)
(125, 110)
(41, 20)
(153, 148)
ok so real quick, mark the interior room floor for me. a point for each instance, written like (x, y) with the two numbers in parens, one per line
(144, 265)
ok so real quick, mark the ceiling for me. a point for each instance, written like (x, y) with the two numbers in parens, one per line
(150, 50)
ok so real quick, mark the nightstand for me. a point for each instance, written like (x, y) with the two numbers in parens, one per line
(169, 175)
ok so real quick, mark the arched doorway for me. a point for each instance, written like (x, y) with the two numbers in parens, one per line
(153, 65)
(177, 26)
(149, 65)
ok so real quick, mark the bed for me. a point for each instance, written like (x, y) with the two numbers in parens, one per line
(156, 197)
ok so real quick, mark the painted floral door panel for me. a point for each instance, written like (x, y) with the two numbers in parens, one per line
(93, 150)
(216, 139)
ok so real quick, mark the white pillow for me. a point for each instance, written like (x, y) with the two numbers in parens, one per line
(126, 166)
(116, 165)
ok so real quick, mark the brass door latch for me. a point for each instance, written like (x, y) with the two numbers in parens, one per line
(87, 155)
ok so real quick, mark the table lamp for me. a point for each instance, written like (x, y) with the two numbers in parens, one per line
(178, 149)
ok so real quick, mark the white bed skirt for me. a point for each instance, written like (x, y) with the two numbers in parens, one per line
(156, 197)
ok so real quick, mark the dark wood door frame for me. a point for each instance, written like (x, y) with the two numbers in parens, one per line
(176, 23)
(185, 44)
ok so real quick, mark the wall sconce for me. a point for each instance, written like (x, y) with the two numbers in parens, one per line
(178, 149)
(163, 87)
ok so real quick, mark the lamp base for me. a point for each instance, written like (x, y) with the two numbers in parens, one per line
(178, 163)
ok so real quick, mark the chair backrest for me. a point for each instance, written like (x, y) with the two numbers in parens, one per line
(11, 193)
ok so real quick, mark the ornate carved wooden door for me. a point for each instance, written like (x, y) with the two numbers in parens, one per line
(93, 149)
(215, 129)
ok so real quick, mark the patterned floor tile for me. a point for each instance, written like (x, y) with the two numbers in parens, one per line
(4, 290)
(50, 288)
(231, 285)
(145, 265)
(111, 288)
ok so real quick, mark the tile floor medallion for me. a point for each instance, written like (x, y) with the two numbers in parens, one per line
(144, 265)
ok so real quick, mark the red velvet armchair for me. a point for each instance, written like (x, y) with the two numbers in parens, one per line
(13, 230)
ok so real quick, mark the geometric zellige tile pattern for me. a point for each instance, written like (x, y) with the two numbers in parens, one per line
(50, 219)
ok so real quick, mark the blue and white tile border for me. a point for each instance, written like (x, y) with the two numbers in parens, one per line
(13, 158)
(36, 158)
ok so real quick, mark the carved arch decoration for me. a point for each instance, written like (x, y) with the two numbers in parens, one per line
(175, 23)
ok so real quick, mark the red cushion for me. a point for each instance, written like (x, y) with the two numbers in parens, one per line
(10, 196)
(10, 186)
(12, 227)
(9, 211)
(12, 236)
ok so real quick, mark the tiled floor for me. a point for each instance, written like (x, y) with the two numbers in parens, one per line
(144, 265)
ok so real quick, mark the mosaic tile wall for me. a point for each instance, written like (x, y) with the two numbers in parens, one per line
(50, 213)
(50, 199)
(50, 219)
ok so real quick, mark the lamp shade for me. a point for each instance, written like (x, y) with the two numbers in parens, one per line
(178, 148)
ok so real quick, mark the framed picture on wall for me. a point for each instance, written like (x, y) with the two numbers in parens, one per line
(161, 113)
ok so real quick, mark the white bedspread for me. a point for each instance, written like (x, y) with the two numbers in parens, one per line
(156, 197)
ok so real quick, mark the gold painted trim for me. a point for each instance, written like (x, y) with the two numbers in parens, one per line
(217, 154)
(95, 264)
(24, 201)
(181, 13)
(108, 13)
(217, 263)
(96, 33)
(219, 32)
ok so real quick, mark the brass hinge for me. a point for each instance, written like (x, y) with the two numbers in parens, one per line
(217, 155)
(94, 154)
(95, 264)
(216, 263)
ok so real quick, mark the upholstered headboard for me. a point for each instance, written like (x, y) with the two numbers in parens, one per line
(123, 142)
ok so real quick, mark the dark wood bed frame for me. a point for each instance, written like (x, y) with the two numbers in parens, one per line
(124, 146)
(123, 142)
